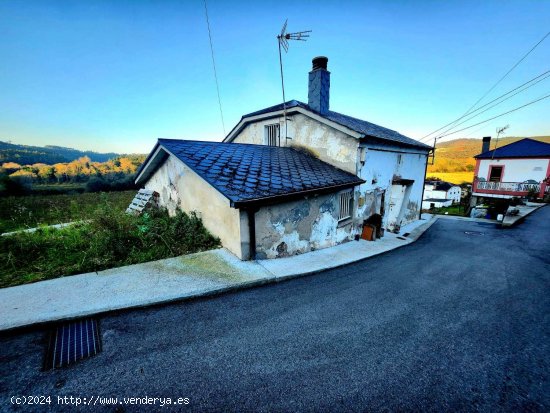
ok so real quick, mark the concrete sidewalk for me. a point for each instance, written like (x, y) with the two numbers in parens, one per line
(523, 211)
(179, 278)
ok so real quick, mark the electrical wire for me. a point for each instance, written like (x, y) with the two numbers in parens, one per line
(214, 66)
(497, 116)
(544, 76)
(495, 85)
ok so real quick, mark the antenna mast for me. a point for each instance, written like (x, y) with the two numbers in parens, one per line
(282, 40)
(499, 132)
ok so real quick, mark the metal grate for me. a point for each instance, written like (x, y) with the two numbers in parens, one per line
(272, 134)
(346, 205)
(71, 342)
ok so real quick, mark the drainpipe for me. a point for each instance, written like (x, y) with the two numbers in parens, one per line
(252, 232)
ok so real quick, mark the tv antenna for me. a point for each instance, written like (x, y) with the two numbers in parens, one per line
(499, 132)
(282, 40)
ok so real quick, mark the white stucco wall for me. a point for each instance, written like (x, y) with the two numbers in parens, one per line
(179, 186)
(379, 170)
(300, 226)
(453, 193)
(516, 170)
(326, 143)
(436, 204)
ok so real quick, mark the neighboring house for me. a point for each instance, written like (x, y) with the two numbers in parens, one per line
(442, 190)
(513, 170)
(431, 203)
(274, 189)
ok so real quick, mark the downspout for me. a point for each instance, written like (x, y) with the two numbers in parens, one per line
(252, 232)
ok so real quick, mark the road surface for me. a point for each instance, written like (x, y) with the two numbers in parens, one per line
(459, 320)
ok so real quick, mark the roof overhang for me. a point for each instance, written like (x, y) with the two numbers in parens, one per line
(271, 200)
(155, 159)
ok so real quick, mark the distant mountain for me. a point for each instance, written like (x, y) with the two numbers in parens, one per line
(49, 154)
(457, 155)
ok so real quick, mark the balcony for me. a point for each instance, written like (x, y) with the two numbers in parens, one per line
(506, 189)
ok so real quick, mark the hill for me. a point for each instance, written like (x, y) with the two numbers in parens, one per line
(49, 155)
(454, 159)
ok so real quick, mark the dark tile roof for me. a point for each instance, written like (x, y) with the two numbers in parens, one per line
(441, 185)
(246, 173)
(525, 148)
(360, 126)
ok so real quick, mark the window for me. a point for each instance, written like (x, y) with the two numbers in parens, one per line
(272, 134)
(346, 205)
(495, 175)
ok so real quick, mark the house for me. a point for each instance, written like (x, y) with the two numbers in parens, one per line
(431, 203)
(515, 170)
(439, 192)
(293, 177)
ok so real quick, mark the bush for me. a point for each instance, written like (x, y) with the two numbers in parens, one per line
(112, 238)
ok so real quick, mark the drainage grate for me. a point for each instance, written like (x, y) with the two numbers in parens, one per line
(72, 341)
(473, 233)
(402, 238)
(406, 234)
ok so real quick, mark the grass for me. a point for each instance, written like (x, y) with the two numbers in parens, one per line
(111, 239)
(20, 212)
(452, 210)
(454, 177)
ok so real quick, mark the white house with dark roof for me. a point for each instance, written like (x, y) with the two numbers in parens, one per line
(439, 194)
(274, 188)
(513, 170)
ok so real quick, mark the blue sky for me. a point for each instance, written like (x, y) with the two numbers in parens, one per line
(117, 75)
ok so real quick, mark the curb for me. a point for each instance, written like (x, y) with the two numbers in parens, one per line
(522, 218)
(413, 237)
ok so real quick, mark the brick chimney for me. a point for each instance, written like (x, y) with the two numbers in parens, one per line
(486, 144)
(319, 85)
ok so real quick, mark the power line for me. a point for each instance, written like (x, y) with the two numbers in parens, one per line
(498, 116)
(214, 65)
(495, 85)
(544, 76)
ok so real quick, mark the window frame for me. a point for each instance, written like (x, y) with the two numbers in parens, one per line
(491, 168)
(346, 203)
(268, 136)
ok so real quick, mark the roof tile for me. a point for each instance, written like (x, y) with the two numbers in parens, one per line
(244, 172)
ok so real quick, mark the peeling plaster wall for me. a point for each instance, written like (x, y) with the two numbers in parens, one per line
(379, 170)
(326, 143)
(179, 186)
(300, 226)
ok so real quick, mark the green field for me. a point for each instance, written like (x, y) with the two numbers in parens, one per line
(20, 212)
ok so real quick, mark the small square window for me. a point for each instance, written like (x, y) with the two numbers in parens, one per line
(346, 205)
(272, 134)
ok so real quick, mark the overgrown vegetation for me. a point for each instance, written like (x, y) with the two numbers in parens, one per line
(20, 212)
(458, 210)
(110, 239)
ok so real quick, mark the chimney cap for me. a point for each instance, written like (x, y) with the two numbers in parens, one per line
(486, 138)
(319, 62)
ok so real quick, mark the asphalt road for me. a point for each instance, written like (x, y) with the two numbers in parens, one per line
(454, 322)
